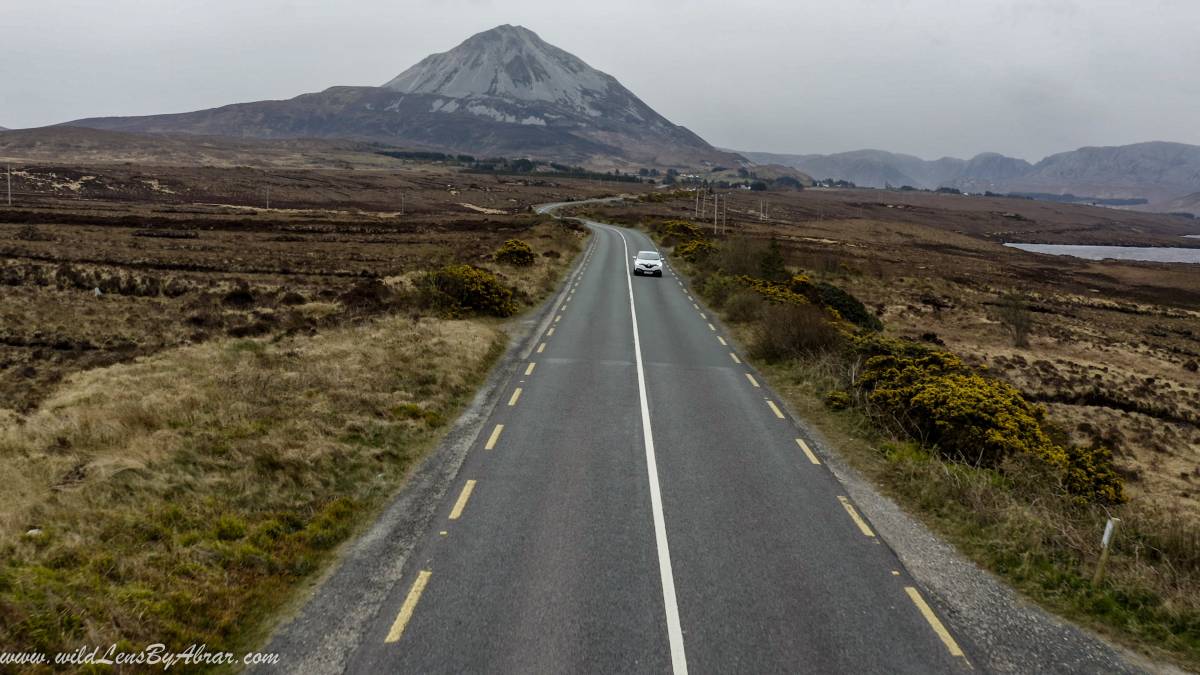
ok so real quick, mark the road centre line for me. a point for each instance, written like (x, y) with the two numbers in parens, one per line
(934, 622)
(515, 395)
(541, 348)
(410, 604)
(862, 524)
(550, 332)
(670, 604)
(807, 451)
(775, 408)
(721, 340)
(529, 368)
(491, 441)
(752, 380)
(461, 504)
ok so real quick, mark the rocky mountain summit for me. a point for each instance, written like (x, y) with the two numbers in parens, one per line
(501, 92)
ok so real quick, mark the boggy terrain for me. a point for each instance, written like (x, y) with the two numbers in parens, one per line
(1113, 347)
(200, 398)
(101, 265)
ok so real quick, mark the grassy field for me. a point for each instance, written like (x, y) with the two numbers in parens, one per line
(247, 388)
(1109, 368)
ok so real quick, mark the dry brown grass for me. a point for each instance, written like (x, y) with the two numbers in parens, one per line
(172, 480)
(176, 497)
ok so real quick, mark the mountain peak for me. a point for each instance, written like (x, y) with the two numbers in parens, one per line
(509, 62)
(504, 91)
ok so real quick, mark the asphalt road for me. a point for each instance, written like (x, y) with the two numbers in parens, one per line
(639, 502)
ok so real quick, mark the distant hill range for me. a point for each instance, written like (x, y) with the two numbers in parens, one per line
(1165, 175)
(503, 92)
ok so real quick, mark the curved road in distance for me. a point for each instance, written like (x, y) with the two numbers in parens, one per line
(640, 502)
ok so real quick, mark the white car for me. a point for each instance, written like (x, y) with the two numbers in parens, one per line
(648, 262)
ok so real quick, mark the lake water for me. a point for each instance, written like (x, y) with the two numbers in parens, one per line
(1164, 254)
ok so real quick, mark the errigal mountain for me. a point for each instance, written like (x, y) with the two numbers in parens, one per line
(501, 92)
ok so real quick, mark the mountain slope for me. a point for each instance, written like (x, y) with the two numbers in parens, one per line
(868, 168)
(1157, 172)
(501, 92)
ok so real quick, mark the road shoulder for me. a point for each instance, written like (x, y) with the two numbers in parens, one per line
(328, 622)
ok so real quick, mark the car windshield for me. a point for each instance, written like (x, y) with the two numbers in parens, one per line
(648, 255)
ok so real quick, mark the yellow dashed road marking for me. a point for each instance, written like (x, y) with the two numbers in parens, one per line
(550, 332)
(712, 327)
(934, 622)
(541, 347)
(862, 524)
(721, 340)
(515, 395)
(491, 441)
(807, 451)
(529, 368)
(456, 512)
(410, 604)
(734, 357)
(752, 380)
(775, 409)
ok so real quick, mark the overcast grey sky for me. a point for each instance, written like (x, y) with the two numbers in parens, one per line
(926, 77)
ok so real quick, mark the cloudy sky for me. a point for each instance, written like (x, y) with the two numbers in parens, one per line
(926, 77)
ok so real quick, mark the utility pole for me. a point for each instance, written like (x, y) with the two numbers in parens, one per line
(401, 203)
(696, 209)
(716, 202)
(9, 180)
(268, 196)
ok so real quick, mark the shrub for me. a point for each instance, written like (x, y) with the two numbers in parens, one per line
(717, 288)
(678, 231)
(1014, 314)
(771, 265)
(846, 305)
(774, 292)
(459, 288)
(744, 305)
(793, 331)
(933, 396)
(837, 400)
(1091, 476)
(739, 256)
(695, 250)
(515, 252)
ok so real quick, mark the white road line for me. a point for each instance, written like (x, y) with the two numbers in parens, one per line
(674, 631)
